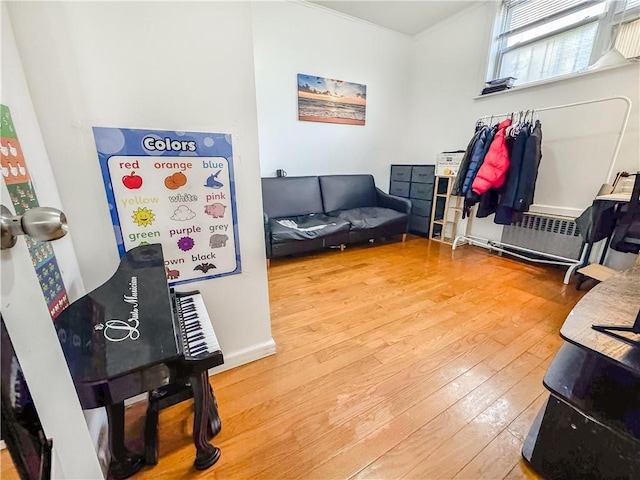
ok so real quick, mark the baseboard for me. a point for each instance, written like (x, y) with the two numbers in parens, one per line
(2, 445)
(246, 355)
(233, 360)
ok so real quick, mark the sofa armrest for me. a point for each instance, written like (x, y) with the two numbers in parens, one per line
(267, 234)
(395, 203)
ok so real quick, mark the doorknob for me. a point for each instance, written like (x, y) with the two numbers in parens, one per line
(40, 223)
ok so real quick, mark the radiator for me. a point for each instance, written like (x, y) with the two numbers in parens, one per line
(545, 233)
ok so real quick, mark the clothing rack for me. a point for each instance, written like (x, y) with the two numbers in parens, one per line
(543, 257)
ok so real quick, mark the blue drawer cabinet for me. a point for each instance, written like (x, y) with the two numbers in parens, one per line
(423, 174)
(420, 207)
(400, 189)
(401, 173)
(423, 191)
(415, 182)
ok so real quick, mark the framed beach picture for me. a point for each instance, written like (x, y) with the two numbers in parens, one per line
(331, 101)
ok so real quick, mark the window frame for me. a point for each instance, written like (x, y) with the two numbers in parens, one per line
(608, 23)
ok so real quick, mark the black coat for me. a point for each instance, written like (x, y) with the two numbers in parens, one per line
(505, 210)
(529, 171)
(516, 158)
(464, 164)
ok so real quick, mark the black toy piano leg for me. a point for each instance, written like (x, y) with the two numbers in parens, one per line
(151, 430)
(123, 462)
(215, 425)
(206, 454)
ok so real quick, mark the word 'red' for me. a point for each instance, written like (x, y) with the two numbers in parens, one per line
(130, 165)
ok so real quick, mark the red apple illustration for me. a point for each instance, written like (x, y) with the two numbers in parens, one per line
(132, 181)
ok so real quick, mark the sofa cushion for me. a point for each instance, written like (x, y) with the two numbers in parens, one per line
(366, 218)
(342, 192)
(305, 227)
(291, 196)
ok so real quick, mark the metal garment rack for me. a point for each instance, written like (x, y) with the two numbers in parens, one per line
(542, 257)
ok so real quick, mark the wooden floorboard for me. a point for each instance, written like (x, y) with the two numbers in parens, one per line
(401, 360)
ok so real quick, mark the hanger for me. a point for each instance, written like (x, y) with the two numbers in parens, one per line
(514, 129)
(511, 129)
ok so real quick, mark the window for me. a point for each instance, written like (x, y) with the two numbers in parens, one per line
(540, 39)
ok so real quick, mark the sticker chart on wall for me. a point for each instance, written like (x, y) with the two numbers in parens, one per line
(15, 174)
(177, 189)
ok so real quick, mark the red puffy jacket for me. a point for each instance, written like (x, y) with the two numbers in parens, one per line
(493, 172)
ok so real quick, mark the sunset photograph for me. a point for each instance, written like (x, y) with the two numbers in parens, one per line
(331, 101)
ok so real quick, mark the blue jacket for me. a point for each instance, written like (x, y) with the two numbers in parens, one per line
(464, 164)
(479, 151)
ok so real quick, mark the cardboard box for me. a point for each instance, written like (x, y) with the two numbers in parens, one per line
(448, 163)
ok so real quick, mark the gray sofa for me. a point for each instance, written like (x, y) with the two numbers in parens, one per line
(303, 214)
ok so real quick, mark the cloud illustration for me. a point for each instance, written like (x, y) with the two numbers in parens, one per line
(183, 213)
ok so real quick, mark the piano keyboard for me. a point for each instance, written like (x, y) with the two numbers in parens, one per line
(198, 335)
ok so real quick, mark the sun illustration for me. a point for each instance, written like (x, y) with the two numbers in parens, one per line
(143, 217)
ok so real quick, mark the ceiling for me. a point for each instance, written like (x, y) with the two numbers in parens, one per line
(408, 17)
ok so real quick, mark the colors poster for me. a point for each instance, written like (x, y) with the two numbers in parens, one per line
(177, 189)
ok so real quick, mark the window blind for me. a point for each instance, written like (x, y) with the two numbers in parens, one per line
(520, 14)
(523, 13)
(628, 39)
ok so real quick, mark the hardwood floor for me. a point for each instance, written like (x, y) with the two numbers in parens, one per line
(394, 361)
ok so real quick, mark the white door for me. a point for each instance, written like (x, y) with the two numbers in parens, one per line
(34, 338)
(38, 278)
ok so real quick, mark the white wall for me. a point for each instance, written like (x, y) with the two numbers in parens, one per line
(292, 38)
(450, 67)
(139, 65)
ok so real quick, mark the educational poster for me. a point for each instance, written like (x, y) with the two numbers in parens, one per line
(176, 189)
(23, 197)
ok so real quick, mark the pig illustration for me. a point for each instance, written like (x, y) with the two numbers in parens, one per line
(218, 240)
(216, 210)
